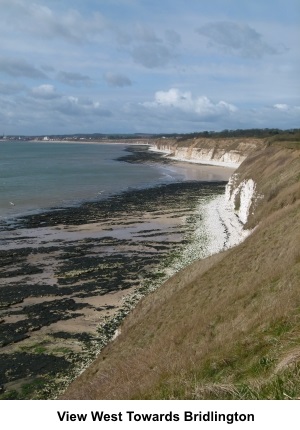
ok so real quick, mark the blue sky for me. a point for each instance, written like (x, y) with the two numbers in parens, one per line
(110, 66)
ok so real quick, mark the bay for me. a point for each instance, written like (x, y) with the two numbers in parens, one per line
(122, 220)
(36, 175)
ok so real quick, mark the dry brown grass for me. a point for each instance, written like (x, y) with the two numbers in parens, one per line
(290, 358)
(225, 327)
(215, 390)
(276, 172)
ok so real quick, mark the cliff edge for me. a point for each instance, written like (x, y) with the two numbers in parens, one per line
(228, 326)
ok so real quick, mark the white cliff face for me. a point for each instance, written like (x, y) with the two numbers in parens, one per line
(216, 157)
(241, 196)
(217, 228)
(165, 149)
(220, 225)
(225, 216)
(247, 194)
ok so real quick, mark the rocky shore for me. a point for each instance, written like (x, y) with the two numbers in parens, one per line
(69, 276)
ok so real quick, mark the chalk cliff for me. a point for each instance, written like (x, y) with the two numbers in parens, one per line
(242, 196)
(230, 152)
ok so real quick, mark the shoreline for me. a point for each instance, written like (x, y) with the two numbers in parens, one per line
(193, 161)
(92, 142)
(165, 171)
(190, 170)
(217, 229)
(73, 269)
(213, 213)
(141, 230)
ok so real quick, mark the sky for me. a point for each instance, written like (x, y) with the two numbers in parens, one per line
(144, 66)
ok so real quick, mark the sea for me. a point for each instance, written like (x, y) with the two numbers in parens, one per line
(124, 220)
(36, 176)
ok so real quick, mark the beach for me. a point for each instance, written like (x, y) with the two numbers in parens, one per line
(69, 276)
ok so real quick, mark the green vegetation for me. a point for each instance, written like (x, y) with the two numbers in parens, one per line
(286, 140)
(240, 133)
(27, 390)
(260, 133)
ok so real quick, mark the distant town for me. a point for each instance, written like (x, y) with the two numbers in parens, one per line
(103, 138)
(143, 138)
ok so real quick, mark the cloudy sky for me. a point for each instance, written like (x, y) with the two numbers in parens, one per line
(71, 66)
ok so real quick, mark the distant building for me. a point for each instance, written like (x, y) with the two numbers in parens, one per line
(46, 138)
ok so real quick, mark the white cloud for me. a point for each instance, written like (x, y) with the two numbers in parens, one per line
(44, 91)
(80, 107)
(281, 106)
(72, 99)
(184, 101)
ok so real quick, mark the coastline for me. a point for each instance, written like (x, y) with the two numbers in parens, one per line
(152, 233)
(220, 227)
(217, 228)
(71, 275)
(193, 161)
(79, 175)
(92, 142)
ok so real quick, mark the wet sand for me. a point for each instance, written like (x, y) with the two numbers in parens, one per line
(66, 273)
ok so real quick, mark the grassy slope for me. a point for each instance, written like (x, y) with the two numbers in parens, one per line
(227, 326)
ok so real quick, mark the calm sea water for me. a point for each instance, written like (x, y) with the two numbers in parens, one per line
(36, 176)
